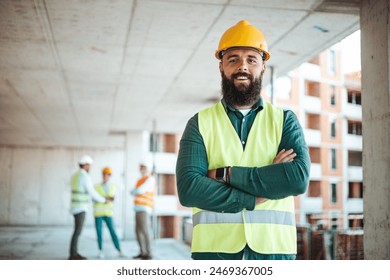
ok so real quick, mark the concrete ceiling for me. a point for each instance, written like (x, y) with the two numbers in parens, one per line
(79, 73)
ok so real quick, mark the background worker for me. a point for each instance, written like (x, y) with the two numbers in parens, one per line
(82, 192)
(242, 160)
(104, 212)
(144, 193)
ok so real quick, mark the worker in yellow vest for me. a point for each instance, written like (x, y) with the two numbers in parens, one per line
(104, 212)
(242, 161)
(82, 192)
(144, 193)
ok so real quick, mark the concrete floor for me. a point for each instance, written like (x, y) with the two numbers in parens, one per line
(52, 243)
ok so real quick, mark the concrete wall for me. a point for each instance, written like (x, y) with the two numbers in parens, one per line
(375, 38)
(34, 183)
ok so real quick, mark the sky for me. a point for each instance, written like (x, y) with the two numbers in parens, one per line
(350, 47)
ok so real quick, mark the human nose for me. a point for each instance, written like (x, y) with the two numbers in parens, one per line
(243, 66)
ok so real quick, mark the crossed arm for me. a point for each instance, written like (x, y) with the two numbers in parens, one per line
(283, 156)
(288, 175)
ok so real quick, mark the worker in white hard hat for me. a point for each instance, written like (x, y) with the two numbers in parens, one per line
(82, 192)
(242, 161)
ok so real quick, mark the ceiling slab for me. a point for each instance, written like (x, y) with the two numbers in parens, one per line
(82, 73)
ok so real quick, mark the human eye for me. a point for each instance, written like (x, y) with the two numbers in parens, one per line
(252, 61)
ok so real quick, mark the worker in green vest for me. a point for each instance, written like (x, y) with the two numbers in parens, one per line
(104, 212)
(242, 161)
(82, 193)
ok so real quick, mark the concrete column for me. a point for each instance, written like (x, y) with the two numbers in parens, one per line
(345, 179)
(374, 21)
(136, 148)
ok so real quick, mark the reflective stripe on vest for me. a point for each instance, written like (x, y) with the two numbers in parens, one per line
(255, 216)
(80, 197)
(104, 209)
(144, 199)
(270, 227)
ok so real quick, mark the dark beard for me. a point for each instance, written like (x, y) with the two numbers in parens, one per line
(242, 95)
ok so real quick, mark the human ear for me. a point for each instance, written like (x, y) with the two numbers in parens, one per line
(264, 67)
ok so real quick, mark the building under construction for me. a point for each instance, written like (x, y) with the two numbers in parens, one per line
(120, 79)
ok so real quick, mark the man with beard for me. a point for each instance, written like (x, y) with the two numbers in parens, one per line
(242, 161)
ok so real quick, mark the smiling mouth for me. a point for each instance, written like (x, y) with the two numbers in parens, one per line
(241, 77)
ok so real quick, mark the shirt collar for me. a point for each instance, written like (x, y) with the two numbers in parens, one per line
(256, 107)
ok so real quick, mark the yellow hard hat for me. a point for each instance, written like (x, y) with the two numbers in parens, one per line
(107, 170)
(243, 34)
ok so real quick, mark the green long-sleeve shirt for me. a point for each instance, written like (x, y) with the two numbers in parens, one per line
(273, 181)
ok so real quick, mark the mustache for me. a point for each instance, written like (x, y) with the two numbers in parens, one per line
(242, 74)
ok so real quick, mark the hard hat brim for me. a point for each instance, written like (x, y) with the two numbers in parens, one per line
(264, 54)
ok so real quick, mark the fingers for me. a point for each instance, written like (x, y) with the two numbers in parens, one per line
(285, 156)
(260, 200)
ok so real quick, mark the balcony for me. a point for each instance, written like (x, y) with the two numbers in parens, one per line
(312, 204)
(166, 163)
(165, 205)
(316, 171)
(353, 111)
(312, 104)
(355, 173)
(354, 205)
(354, 142)
(313, 137)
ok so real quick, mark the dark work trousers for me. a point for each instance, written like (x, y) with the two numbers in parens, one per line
(78, 226)
(142, 230)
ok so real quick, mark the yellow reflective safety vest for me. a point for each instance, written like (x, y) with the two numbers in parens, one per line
(104, 209)
(80, 197)
(269, 228)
